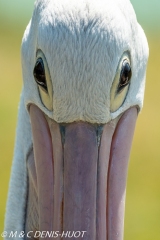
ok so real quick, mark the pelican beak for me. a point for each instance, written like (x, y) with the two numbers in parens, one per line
(80, 175)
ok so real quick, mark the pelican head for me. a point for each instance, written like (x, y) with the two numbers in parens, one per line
(84, 66)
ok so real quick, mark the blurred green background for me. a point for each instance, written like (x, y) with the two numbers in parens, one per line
(142, 221)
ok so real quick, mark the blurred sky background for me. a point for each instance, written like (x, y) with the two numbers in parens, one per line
(142, 221)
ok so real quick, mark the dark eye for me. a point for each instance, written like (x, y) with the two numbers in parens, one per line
(125, 76)
(39, 74)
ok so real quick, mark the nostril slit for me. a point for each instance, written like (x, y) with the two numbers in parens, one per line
(99, 133)
(62, 131)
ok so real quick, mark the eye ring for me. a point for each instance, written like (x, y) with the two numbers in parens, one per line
(121, 83)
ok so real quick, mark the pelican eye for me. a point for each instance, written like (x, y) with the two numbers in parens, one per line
(39, 74)
(42, 77)
(125, 76)
(121, 82)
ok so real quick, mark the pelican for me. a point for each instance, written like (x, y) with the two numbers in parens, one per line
(84, 68)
